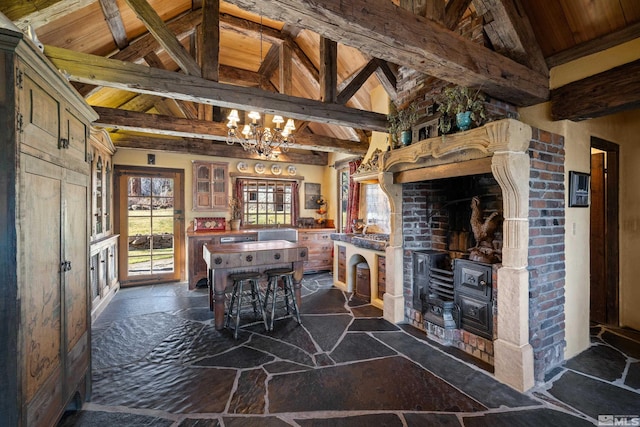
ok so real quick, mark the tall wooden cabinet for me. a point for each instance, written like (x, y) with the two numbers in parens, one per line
(103, 264)
(44, 228)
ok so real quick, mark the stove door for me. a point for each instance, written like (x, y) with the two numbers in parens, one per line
(476, 315)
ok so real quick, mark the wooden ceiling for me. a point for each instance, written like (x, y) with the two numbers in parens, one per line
(278, 56)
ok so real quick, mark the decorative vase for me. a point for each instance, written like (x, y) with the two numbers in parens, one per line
(234, 224)
(463, 120)
(405, 137)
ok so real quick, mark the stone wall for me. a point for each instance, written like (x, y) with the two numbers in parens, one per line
(546, 251)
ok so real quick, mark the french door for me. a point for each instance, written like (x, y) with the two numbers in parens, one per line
(150, 221)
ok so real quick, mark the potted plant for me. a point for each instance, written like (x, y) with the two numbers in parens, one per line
(401, 122)
(236, 213)
(462, 104)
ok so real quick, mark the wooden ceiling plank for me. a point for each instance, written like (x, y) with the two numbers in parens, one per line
(434, 9)
(357, 81)
(250, 29)
(419, 43)
(114, 22)
(165, 36)
(609, 92)
(207, 148)
(304, 62)
(269, 65)
(454, 11)
(328, 70)
(510, 32)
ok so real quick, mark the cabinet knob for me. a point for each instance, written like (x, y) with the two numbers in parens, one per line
(249, 258)
(276, 256)
(303, 254)
(217, 261)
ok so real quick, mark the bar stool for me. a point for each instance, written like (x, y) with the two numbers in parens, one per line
(237, 295)
(274, 275)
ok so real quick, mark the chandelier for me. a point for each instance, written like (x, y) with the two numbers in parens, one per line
(255, 138)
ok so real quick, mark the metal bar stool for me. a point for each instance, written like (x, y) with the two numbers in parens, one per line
(274, 275)
(237, 295)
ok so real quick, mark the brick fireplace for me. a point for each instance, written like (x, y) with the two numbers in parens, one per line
(528, 167)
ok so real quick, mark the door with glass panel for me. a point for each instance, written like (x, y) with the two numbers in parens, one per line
(151, 223)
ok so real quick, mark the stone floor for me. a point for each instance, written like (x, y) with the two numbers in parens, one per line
(158, 361)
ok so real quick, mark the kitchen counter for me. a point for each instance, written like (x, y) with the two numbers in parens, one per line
(374, 242)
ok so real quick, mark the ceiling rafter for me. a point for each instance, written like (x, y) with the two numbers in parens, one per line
(510, 32)
(204, 129)
(101, 71)
(419, 43)
(114, 22)
(165, 36)
(204, 147)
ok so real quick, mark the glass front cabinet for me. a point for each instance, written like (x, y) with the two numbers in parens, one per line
(103, 261)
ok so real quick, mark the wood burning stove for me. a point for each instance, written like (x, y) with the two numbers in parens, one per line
(473, 293)
(453, 297)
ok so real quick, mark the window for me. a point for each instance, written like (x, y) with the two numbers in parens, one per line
(266, 202)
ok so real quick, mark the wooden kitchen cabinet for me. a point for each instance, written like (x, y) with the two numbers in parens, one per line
(320, 245)
(44, 265)
(210, 186)
(104, 244)
(342, 264)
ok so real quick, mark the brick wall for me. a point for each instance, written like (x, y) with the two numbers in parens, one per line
(546, 251)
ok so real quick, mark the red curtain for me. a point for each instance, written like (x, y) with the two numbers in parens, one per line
(353, 202)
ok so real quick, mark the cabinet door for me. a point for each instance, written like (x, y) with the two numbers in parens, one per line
(39, 114)
(76, 298)
(210, 185)
(112, 264)
(74, 133)
(41, 190)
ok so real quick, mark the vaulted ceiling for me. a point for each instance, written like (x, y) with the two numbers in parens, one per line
(163, 73)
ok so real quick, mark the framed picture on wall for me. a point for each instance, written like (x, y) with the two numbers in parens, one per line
(578, 189)
(425, 130)
(311, 195)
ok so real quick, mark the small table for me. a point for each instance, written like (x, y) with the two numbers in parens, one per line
(249, 256)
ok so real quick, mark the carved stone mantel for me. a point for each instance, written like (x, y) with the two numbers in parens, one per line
(505, 143)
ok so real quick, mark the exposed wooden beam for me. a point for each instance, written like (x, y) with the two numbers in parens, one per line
(433, 9)
(594, 46)
(52, 13)
(269, 64)
(357, 81)
(204, 129)
(114, 22)
(510, 32)
(328, 70)
(165, 36)
(305, 64)
(180, 27)
(286, 69)
(388, 78)
(101, 71)
(418, 43)
(208, 148)
(188, 109)
(210, 45)
(609, 92)
(454, 11)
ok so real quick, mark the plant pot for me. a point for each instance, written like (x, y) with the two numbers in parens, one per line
(234, 224)
(463, 120)
(405, 137)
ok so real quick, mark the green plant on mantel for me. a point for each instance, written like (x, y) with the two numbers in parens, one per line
(458, 99)
(401, 120)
